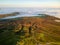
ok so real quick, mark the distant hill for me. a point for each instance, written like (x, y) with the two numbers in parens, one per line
(30, 31)
(6, 15)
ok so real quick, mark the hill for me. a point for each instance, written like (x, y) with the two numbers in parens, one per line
(11, 14)
(38, 30)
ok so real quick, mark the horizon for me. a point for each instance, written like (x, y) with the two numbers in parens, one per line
(30, 11)
(42, 4)
(30, 3)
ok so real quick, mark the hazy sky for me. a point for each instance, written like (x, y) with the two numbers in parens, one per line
(30, 3)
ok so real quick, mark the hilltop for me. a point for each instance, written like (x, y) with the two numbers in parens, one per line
(11, 14)
(30, 31)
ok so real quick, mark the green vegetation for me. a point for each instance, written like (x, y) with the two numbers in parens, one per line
(30, 31)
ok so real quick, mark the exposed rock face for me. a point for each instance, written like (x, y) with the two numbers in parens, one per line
(57, 20)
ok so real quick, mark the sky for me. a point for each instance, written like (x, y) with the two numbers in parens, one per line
(30, 3)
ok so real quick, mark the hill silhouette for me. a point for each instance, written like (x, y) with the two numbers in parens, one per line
(11, 14)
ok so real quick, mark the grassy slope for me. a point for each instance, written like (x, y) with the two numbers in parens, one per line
(30, 31)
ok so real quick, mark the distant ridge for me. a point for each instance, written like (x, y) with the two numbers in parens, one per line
(6, 15)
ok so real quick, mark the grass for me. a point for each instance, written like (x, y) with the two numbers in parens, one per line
(44, 31)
